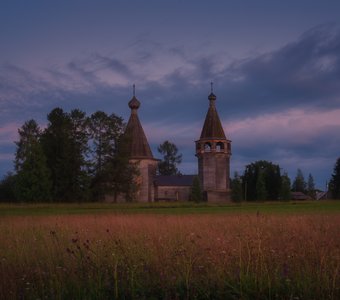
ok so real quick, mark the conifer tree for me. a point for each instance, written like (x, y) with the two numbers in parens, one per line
(311, 187)
(334, 184)
(33, 177)
(236, 188)
(64, 151)
(112, 173)
(285, 191)
(299, 184)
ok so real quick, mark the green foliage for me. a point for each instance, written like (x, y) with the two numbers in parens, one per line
(171, 158)
(75, 158)
(261, 192)
(7, 188)
(32, 182)
(236, 188)
(196, 191)
(261, 181)
(58, 147)
(299, 183)
(334, 184)
(112, 173)
(311, 187)
(285, 191)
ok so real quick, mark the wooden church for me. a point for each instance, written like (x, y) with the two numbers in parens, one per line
(213, 151)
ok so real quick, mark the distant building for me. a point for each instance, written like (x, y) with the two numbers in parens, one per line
(300, 196)
(213, 151)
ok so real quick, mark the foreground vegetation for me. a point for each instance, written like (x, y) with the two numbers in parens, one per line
(257, 254)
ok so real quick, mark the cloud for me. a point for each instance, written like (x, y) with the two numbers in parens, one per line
(8, 133)
(281, 105)
(304, 73)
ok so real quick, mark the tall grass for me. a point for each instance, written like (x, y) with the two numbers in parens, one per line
(170, 257)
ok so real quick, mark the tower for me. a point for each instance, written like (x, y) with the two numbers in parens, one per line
(140, 153)
(213, 151)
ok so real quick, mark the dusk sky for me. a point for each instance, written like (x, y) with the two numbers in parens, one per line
(275, 67)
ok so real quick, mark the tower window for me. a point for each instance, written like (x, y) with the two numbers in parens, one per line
(219, 147)
(207, 147)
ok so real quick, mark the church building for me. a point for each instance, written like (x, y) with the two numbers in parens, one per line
(213, 151)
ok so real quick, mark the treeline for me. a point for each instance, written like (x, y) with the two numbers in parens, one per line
(75, 158)
(262, 180)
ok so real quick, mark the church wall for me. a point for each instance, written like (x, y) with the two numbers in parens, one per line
(147, 171)
(218, 196)
(172, 193)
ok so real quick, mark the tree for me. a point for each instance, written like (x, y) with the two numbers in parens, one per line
(64, 151)
(105, 132)
(236, 188)
(33, 177)
(261, 192)
(196, 191)
(112, 172)
(256, 187)
(7, 188)
(311, 187)
(79, 152)
(171, 158)
(299, 183)
(285, 191)
(334, 184)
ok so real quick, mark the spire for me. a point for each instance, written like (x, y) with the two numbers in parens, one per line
(211, 97)
(138, 143)
(212, 128)
(134, 104)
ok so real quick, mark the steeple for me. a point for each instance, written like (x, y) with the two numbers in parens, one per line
(138, 144)
(212, 127)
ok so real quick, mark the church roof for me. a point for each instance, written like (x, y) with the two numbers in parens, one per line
(212, 128)
(174, 180)
(138, 143)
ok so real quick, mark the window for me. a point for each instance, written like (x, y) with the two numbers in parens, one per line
(219, 147)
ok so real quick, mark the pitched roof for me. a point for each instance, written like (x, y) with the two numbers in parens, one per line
(174, 180)
(138, 144)
(212, 127)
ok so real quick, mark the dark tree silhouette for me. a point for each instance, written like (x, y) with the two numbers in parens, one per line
(171, 158)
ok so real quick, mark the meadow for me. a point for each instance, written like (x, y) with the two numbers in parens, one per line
(170, 251)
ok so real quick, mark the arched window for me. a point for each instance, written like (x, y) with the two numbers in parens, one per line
(219, 147)
(207, 147)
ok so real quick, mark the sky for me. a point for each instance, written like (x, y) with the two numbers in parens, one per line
(275, 67)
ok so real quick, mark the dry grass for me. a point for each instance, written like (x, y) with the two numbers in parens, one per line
(170, 257)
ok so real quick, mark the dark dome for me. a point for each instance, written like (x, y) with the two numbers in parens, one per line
(212, 97)
(134, 103)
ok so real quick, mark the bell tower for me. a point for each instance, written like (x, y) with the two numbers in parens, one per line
(213, 151)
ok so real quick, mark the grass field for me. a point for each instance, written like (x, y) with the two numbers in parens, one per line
(170, 251)
(44, 209)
